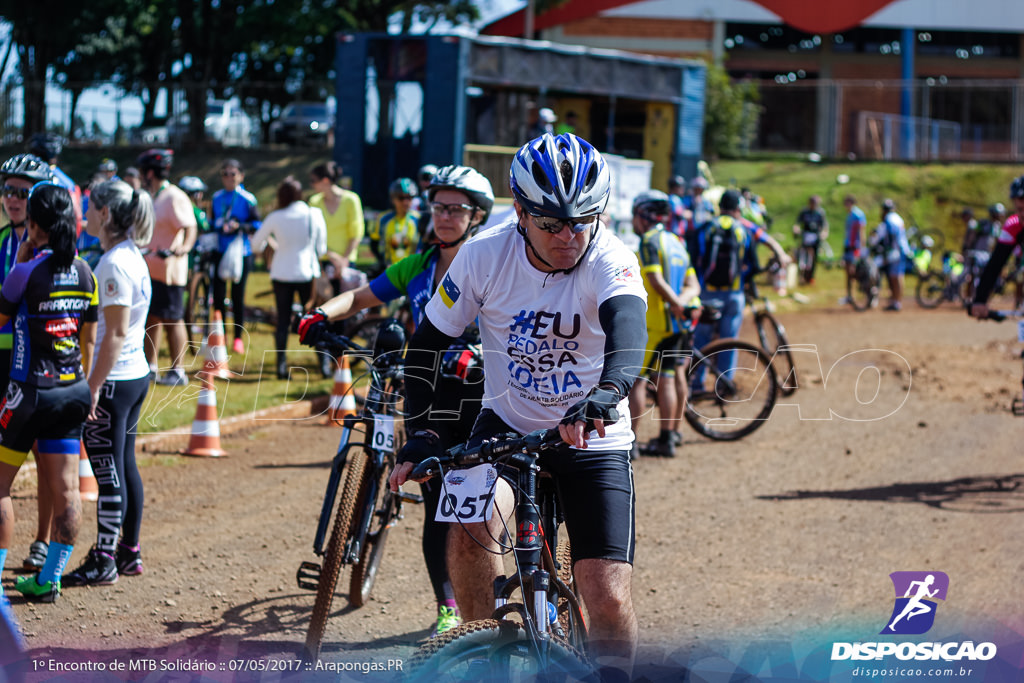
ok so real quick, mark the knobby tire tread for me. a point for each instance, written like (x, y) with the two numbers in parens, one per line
(364, 572)
(333, 557)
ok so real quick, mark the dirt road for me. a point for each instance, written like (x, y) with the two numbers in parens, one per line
(758, 554)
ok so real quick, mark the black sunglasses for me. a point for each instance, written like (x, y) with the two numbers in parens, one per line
(555, 225)
(15, 192)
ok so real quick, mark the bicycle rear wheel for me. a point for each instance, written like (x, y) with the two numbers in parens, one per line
(335, 554)
(773, 340)
(491, 650)
(364, 573)
(931, 290)
(735, 400)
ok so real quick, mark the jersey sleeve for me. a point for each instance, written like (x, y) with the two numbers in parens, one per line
(394, 282)
(456, 302)
(650, 259)
(14, 288)
(616, 273)
(91, 314)
(115, 287)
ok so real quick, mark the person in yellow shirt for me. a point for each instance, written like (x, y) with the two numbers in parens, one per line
(343, 213)
(395, 234)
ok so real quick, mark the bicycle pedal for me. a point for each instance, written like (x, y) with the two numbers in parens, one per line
(406, 497)
(308, 576)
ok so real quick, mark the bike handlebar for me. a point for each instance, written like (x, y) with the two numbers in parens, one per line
(521, 451)
(337, 344)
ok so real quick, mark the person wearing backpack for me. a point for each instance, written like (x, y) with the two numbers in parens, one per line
(723, 251)
(890, 241)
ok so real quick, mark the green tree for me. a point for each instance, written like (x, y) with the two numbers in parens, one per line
(731, 114)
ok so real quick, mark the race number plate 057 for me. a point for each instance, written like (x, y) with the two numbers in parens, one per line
(467, 495)
(384, 433)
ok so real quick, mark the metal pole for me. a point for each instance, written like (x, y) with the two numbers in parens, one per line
(907, 100)
(528, 19)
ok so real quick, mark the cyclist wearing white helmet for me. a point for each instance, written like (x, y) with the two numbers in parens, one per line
(461, 200)
(697, 209)
(561, 309)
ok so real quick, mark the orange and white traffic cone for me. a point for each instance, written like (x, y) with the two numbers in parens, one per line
(343, 401)
(216, 363)
(87, 484)
(205, 439)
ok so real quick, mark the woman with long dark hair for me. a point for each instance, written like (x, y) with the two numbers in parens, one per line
(52, 299)
(301, 237)
(122, 219)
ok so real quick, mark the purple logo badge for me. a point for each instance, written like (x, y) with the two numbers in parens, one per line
(917, 594)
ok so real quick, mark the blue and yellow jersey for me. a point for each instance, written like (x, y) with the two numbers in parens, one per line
(48, 307)
(663, 252)
(396, 236)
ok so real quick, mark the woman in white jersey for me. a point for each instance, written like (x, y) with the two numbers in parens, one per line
(122, 219)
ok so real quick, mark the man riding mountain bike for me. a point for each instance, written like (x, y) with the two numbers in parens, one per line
(1010, 238)
(561, 310)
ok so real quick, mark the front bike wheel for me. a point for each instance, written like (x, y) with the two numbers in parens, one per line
(491, 650)
(931, 290)
(364, 573)
(773, 340)
(732, 389)
(570, 616)
(335, 554)
(197, 313)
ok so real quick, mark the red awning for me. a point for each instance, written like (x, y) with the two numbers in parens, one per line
(812, 17)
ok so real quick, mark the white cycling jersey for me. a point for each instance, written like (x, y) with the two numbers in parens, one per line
(542, 340)
(122, 277)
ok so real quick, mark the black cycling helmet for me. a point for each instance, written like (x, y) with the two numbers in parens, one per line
(967, 212)
(652, 205)
(155, 159)
(47, 146)
(107, 166)
(427, 171)
(677, 181)
(730, 200)
(402, 186)
(997, 210)
(1017, 188)
(389, 342)
(469, 182)
(27, 166)
(191, 184)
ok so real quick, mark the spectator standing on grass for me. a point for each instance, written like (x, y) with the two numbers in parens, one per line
(234, 212)
(174, 229)
(52, 299)
(122, 220)
(343, 214)
(890, 238)
(19, 174)
(301, 236)
(853, 242)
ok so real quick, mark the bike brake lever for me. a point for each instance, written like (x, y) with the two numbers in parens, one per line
(426, 469)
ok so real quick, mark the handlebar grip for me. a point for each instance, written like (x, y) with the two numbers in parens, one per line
(426, 469)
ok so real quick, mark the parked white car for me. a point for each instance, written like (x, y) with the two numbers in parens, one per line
(225, 122)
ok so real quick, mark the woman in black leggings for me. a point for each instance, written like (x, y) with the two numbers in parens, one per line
(122, 218)
(300, 236)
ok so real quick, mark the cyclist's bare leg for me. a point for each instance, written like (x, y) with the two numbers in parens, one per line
(7, 474)
(44, 501)
(176, 337)
(606, 588)
(67, 507)
(151, 346)
(668, 401)
(681, 393)
(638, 402)
(472, 569)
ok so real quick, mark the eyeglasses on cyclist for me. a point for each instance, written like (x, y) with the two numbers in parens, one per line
(453, 210)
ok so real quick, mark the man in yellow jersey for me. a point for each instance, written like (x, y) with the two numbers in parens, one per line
(673, 306)
(396, 234)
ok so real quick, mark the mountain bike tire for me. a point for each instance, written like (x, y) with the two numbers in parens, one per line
(931, 290)
(364, 572)
(729, 408)
(493, 650)
(570, 616)
(773, 340)
(334, 555)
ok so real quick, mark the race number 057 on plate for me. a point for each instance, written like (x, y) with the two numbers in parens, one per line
(467, 495)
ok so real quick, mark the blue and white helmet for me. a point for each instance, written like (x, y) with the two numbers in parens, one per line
(561, 176)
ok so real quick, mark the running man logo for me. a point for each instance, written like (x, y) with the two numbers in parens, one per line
(449, 291)
(916, 593)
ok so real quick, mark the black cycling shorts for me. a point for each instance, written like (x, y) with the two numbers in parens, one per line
(51, 415)
(595, 489)
(168, 301)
